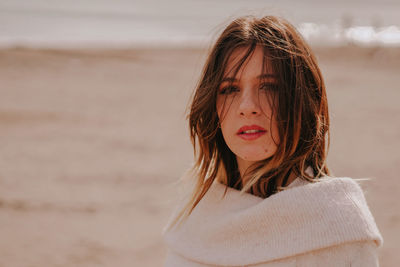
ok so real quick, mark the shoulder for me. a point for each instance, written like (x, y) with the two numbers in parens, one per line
(356, 254)
(340, 202)
(335, 185)
(343, 190)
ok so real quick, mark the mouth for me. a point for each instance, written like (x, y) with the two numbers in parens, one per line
(251, 132)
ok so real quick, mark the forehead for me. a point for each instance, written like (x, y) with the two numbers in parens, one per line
(253, 64)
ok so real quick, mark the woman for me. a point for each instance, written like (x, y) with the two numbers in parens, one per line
(262, 194)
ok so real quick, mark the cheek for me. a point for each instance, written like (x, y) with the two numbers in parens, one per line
(219, 107)
(269, 107)
(275, 132)
(267, 104)
(224, 107)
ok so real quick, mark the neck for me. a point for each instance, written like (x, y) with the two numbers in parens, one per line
(243, 166)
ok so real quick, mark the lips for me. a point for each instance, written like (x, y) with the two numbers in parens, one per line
(251, 132)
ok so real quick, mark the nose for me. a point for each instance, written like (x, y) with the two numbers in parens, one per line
(249, 105)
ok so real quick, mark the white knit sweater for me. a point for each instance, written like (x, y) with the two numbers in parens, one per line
(309, 224)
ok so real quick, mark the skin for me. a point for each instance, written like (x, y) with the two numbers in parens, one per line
(248, 101)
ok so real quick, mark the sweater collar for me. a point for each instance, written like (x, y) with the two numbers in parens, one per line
(302, 218)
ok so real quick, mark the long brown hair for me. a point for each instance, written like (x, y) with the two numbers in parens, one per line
(301, 112)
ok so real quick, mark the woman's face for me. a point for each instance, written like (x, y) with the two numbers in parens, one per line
(245, 108)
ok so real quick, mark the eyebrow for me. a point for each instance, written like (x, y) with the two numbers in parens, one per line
(260, 77)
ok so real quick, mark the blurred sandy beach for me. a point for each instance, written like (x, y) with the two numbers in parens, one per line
(92, 141)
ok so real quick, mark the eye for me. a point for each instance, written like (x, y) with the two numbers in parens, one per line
(228, 90)
(269, 87)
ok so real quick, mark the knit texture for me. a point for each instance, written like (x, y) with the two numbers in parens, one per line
(238, 230)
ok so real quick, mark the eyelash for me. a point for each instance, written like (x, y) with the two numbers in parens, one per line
(270, 87)
(230, 89)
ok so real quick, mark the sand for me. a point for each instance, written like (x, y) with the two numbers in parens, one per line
(92, 141)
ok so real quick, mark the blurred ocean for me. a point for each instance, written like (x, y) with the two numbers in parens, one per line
(124, 23)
